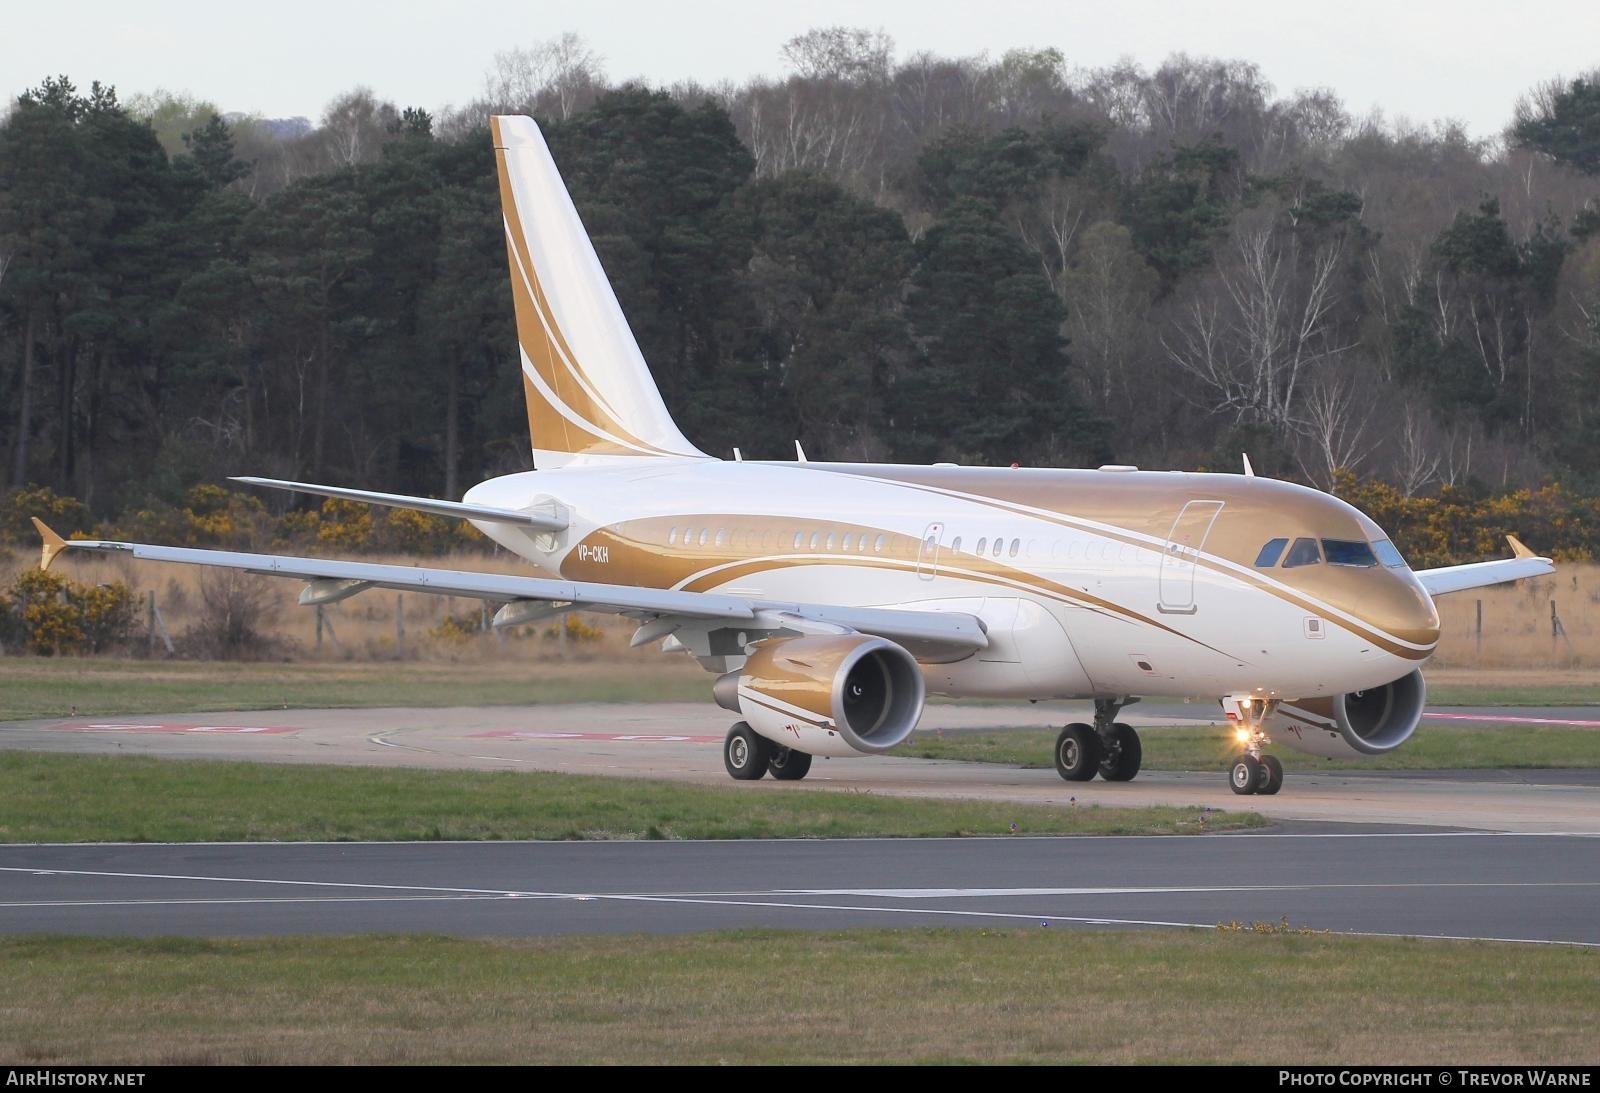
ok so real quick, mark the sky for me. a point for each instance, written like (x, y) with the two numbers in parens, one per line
(1424, 60)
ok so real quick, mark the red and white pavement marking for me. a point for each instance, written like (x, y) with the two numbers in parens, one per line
(639, 738)
(1502, 719)
(126, 726)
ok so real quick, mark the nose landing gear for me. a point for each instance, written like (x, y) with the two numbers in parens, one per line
(1253, 772)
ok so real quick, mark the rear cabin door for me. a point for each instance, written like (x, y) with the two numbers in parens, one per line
(928, 552)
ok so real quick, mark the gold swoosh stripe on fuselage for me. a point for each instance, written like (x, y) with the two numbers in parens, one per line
(1017, 580)
(1363, 628)
(643, 563)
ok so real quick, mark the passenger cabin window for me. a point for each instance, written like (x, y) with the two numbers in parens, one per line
(981, 544)
(955, 544)
(1304, 552)
(799, 537)
(998, 544)
(705, 533)
(877, 545)
(1271, 553)
(1016, 545)
(1388, 554)
(722, 536)
(845, 543)
(1349, 552)
(672, 537)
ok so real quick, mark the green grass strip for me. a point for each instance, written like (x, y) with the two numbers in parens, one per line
(87, 798)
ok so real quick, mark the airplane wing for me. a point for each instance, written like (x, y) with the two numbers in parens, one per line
(1459, 578)
(458, 509)
(330, 580)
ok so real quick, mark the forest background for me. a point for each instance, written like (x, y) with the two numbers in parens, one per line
(981, 260)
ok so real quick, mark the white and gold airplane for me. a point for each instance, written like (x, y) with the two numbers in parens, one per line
(830, 598)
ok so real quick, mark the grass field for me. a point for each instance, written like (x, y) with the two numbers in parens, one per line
(1199, 748)
(38, 687)
(84, 798)
(860, 996)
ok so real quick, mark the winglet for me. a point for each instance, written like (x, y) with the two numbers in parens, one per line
(53, 543)
(1517, 547)
(799, 453)
(1249, 471)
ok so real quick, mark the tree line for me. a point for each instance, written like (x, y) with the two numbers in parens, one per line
(975, 260)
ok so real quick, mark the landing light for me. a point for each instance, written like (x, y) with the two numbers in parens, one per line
(1242, 735)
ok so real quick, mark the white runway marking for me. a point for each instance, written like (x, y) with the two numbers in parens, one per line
(959, 893)
(436, 894)
(1496, 719)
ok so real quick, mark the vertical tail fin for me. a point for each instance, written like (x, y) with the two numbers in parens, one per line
(590, 393)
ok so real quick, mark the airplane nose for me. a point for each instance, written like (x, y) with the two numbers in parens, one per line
(1406, 610)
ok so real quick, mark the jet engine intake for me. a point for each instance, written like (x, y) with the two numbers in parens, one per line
(1361, 723)
(844, 694)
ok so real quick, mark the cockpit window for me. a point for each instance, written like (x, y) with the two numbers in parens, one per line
(1271, 553)
(1304, 552)
(1349, 552)
(1388, 554)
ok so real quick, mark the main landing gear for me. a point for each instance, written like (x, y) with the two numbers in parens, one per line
(1108, 748)
(1254, 772)
(748, 755)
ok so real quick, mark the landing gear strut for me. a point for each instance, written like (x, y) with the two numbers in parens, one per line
(1108, 747)
(1254, 772)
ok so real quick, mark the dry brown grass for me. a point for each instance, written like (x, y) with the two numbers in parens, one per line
(1516, 618)
(363, 628)
(1516, 623)
(861, 996)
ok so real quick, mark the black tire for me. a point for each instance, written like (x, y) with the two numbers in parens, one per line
(1077, 753)
(1120, 762)
(1245, 775)
(745, 753)
(788, 765)
(1271, 776)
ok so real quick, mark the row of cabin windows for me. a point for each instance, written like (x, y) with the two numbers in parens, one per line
(984, 547)
(1349, 552)
(849, 542)
(818, 540)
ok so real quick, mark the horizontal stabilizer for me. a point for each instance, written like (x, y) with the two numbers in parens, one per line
(460, 510)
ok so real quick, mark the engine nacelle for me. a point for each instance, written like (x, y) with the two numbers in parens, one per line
(1361, 723)
(846, 694)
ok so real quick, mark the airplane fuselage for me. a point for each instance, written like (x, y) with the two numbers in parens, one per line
(1108, 582)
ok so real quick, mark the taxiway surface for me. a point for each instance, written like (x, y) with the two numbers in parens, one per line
(680, 742)
(1509, 887)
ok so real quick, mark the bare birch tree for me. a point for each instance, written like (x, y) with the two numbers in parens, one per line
(1265, 326)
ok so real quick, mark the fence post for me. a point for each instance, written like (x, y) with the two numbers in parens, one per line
(1558, 630)
(1478, 634)
(399, 623)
